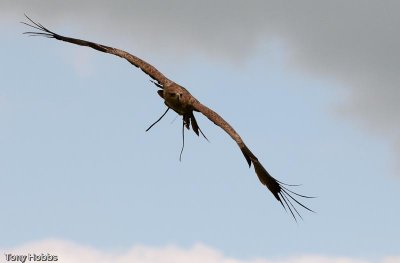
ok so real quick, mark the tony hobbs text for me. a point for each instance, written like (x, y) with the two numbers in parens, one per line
(30, 257)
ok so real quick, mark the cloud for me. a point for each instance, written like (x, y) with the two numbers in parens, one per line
(70, 252)
(355, 43)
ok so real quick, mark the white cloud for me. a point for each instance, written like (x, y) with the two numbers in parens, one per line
(392, 260)
(74, 253)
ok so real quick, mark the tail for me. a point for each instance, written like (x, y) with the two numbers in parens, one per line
(195, 126)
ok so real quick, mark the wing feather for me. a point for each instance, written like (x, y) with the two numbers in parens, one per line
(276, 187)
(137, 62)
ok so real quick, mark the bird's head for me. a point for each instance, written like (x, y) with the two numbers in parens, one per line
(170, 95)
(176, 98)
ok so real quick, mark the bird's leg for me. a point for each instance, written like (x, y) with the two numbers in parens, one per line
(183, 140)
(186, 121)
(158, 119)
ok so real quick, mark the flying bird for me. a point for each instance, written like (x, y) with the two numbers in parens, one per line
(185, 104)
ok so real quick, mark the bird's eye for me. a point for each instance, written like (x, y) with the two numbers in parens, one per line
(172, 94)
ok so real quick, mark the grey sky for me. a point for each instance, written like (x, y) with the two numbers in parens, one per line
(354, 42)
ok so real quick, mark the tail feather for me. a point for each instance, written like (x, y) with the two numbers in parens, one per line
(196, 127)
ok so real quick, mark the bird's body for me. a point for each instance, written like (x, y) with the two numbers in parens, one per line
(182, 102)
(177, 98)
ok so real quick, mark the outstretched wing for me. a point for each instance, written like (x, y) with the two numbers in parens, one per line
(277, 188)
(137, 62)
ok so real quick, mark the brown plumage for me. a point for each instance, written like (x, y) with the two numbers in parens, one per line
(182, 102)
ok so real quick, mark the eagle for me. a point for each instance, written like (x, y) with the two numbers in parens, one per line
(185, 104)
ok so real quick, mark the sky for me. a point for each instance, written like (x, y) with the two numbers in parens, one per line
(311, 87)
